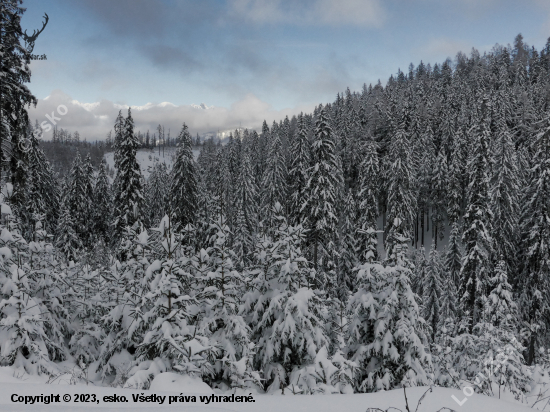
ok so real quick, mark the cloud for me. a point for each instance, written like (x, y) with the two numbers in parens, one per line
(442, 48)
(171, 57)
(94, 120)
(143, 18)
(366, 13)
(472, 9)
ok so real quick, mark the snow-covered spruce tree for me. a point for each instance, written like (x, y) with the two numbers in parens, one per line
(126, 284)
(88, 306)
(14, 118)
(534, 286)
(323, 186)
(456, 170)
(433, 292)
(273, 188)
(68, 242)
(48, 288)
(369, 180)
(184, 186)
(420, 140)
(156, 191)
(504, 190)
(476, 264)
(491, 357)
(349, 140)
(256, 156)
(169, 340)
(28, 345)
(348, 250)
(118, 138)
(337, 315)
(246, 204)
(401, 199)
(420, 263)
(42, 190)
(128, 181)
(452, 257)
(221, 190)
(285, 314)
(221, 323)
(77, 199)
(298, 173)
(89, 185)
(386, 336)
(439, 196)
(102, 213)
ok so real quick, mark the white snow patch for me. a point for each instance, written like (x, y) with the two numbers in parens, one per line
(173, 382)
(148, 157)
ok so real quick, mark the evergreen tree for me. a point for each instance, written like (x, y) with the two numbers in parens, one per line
(128, 181)
(285, 314)
(246, 204)
(536, 229)
(369, 181)
(156, 194)
(102, 213)
(184, 186)
(433, 292)
(476, 264)
(274, 182)
(504, 187)
(298, 176)
(15, 94)
(386, 337)
(42, 192)
(325, 179)
(439, 196)
(401, 198)
(221, 323)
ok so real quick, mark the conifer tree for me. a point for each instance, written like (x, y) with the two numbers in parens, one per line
(102, 212)
(285, 313)
(15, 96)
(246, 205)
(536, 236)
(222, 324)
(476, 264)
(156, 194)
(433, 292)
(274, 180)
(438, 194)
(128, 181)
(386, 336)
(42, 191)
(504, 186)
(401, 198)
(184, 186)
(298, 176)
(369, 180)
(325, 179)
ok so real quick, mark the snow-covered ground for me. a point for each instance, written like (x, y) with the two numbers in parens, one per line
(148, 157)
(171, 389)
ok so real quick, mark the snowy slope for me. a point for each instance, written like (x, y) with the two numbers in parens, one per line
(439, 398)
(148, 157)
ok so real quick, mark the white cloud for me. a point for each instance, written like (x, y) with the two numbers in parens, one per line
(442, 48)
(94, 120)
(369, 13)
(355, 12)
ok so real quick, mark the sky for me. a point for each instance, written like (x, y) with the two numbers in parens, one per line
(246, 60)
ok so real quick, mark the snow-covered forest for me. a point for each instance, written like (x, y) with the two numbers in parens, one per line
(398, 236)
